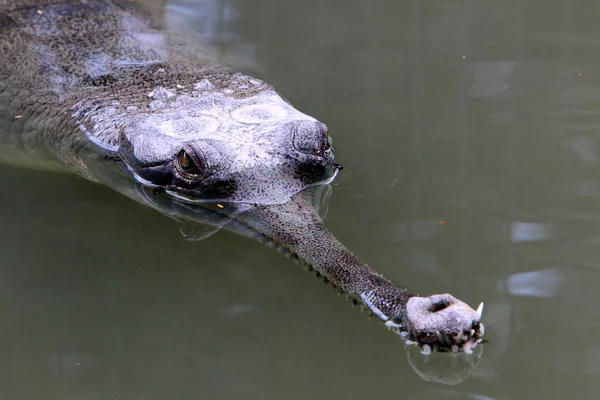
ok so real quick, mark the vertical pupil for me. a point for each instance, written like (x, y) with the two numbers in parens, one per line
(186, 161)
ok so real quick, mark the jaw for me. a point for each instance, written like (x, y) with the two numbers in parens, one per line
(436, 323)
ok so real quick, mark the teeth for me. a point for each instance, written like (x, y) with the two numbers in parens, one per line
(454, 348)
(440, 337)
(472, 333)
(480, 310)
(426, 349)
(467, 348)
(481, 329)
(391, 324)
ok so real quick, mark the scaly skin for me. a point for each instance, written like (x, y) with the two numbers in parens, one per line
(101, 89)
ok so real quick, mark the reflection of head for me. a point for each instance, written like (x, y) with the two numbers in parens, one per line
(213, 147)
(448, 369)
(200, 221)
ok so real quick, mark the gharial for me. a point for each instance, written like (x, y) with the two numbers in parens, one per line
(100, 88)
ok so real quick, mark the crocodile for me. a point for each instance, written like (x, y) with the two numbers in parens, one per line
(103, 89)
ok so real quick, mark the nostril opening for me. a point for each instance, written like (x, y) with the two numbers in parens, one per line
(439, 306)
(310, 137)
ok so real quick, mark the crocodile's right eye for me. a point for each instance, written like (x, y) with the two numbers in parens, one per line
(189, 164)
(185, 160)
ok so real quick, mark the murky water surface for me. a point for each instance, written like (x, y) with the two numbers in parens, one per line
(469, 131)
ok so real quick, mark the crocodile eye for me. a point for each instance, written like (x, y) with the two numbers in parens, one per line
(187, 163)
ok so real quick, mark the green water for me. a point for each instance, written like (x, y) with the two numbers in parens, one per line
(481, 114)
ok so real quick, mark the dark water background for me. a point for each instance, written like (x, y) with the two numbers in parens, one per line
(482, 114)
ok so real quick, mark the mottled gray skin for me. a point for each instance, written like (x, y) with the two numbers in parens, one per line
(99, 88)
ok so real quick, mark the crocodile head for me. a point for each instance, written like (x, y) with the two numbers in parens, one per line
(253, 150)
(246, 163)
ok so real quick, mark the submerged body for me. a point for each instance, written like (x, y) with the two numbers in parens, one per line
(99, 88)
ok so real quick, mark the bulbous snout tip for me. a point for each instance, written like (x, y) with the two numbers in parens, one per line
(441, 312)
(445, 323)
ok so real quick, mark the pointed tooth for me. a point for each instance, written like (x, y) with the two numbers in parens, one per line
(471, 333)
(426, 350)
(480, 310)
(481, 329)
(440, 338)
(454, 348)
(467, 348)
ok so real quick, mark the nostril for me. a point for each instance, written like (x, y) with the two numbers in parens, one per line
(310, 137)
(439, 306)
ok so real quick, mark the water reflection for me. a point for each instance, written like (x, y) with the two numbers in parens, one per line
(215, 24)
(543, 283)
(491, 78)
(450, 370)
(529, 232)
(583, 147)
